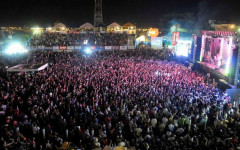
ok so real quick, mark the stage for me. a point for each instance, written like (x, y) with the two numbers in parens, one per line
(218, 74)
(218, 52)
(214, 67)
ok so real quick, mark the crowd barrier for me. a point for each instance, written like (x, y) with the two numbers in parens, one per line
(97, 48)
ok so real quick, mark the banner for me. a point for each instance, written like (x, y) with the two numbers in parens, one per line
(116, 47)
(63, 47)
(40, 47)
(70, 47)
(131, 47)
(175, 38)
(108, 47)
(123, 47)
(34, 48)
(93, 47)
(156, 43)
(48, 48)
(100, 48)
(55, 47)
(77, 47)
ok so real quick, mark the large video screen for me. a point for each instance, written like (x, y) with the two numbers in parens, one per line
(156, 43)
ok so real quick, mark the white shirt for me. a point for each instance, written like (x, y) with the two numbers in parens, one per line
(154, 122)
(138, 130)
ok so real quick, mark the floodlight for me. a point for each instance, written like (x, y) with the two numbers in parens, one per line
(183, 48)
(88, 50)
(15, 48)
(142, 38)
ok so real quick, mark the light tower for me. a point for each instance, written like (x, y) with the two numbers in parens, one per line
(98, 17)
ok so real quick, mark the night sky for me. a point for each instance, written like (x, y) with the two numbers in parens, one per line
(142, 12)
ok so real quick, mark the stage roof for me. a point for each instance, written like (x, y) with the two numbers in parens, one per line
(113, 25)
(128, 24)
(218, 33)
(28, 67)
(59, 25)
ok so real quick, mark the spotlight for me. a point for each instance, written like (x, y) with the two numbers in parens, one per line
(88, 50)
(15, 48)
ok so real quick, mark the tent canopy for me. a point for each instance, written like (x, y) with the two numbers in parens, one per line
(86, 25)
(128, 24)
(28, 67)
(114, 25)
(59, 25)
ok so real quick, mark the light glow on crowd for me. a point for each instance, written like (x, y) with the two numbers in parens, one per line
(15, 48)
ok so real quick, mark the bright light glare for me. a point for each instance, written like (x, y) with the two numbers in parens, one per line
(15, 48)
(36, 30)
(142, 38)
(88, 50)
(183, 48)
(85, 42)
(229, 57)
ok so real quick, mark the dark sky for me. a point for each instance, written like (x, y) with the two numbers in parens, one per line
(142, 12)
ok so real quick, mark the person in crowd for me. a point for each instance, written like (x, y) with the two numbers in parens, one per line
(113, 98)
(94, 39)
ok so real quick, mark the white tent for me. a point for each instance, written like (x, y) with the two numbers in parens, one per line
(28, 67)
(59, 25)
(86, 25)
(114, 25)
(114, 28)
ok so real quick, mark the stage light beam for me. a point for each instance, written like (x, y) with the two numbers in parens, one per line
(227, 69)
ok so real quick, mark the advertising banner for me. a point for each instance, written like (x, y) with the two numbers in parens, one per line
(153, 32)
(93, 47)
(48, 48)
(116, 47)
(63, 47)
(40, 47)
(175, 38)
(123, 47)
(156, 43)
(77, 47)
(34, 48)
(55, 47)
(100, 48)
(70, 47)
(108, 47)
(131, 47)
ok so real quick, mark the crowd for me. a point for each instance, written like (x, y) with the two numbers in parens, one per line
(93, 39)
(128, 98)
